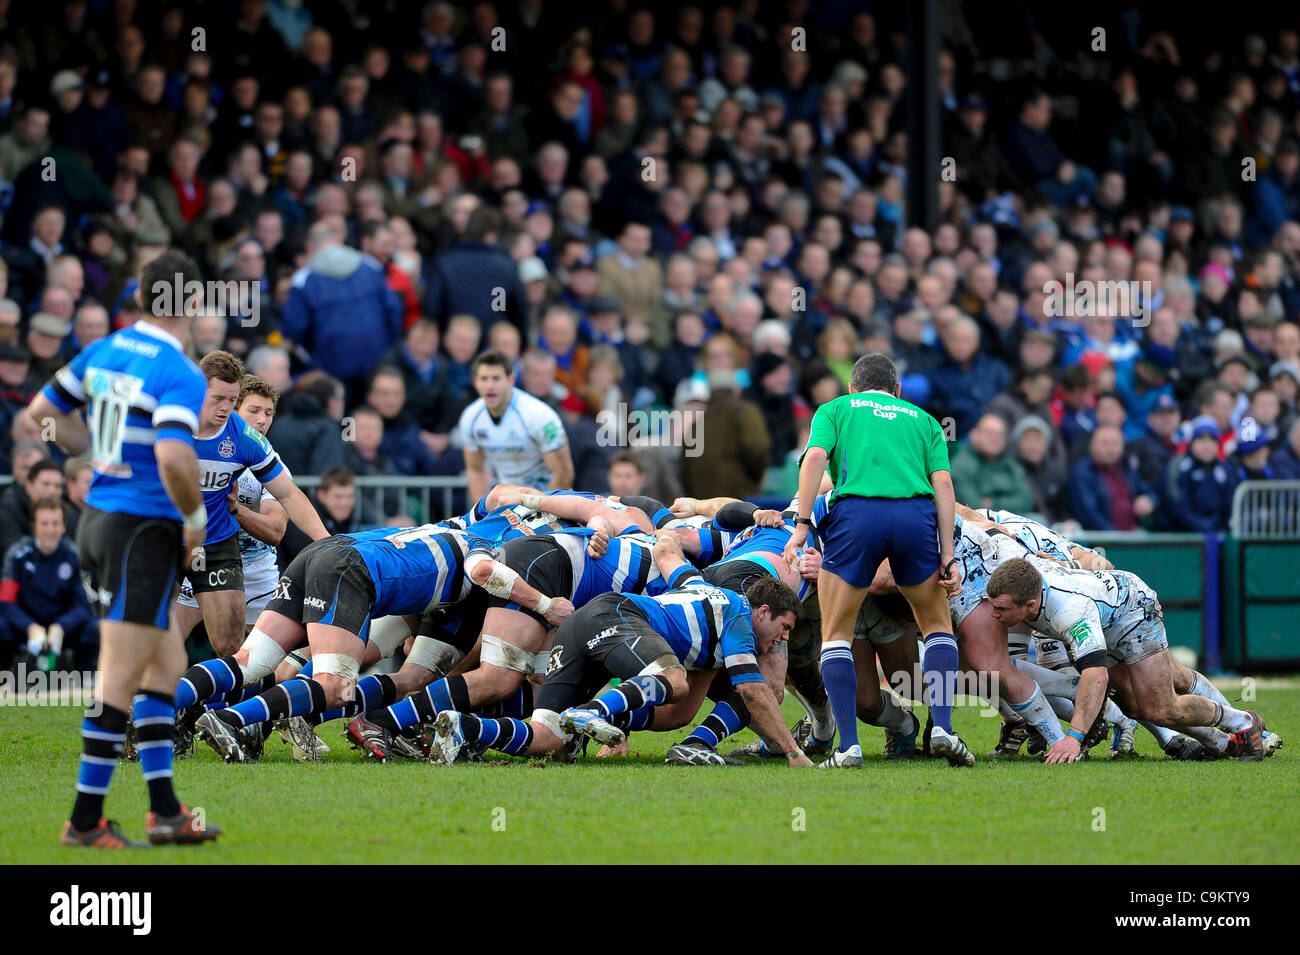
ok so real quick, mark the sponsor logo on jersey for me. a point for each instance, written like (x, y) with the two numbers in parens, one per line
(554, 663)
(226, 448)
(1079, 632)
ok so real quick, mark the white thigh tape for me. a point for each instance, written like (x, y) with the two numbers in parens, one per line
(655, 667)
(498, 653)
(264, 655)
(338, 664)
(388, 633)
(434, 655)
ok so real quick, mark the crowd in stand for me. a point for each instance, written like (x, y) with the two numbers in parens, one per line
(696, 207)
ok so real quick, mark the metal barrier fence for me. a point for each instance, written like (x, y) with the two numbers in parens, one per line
(1266, 510)
(421, 498)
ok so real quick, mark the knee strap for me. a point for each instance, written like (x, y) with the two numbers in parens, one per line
(499, 653)
(264, 655)
(434, 655)
(388, 633)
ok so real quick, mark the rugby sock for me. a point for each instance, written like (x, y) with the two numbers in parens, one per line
(939, 663)
(1209, 737)
(1201, 686)
(1228, 719)
(643, 690)
(1062, 706)
(729, 715)
(449, 693)
(506, 735)
(372, 692)
(1163, 734)
(241, 693)
(518, 704)
(1039, 715)
(296, 697)
(207, 680)
(633, 720)
(1112, 713)
(154, 717)
(819, 711)
(841, 681)
(102, 738)
(307, 670)
(892, 716)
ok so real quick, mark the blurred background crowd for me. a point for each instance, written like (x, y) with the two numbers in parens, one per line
(697, 206)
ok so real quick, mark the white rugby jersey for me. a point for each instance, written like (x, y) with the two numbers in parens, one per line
(514, 446)
(1090, 610)
(1034, 535)
(252, 494)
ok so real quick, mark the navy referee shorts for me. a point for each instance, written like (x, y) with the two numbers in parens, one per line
(860, 532)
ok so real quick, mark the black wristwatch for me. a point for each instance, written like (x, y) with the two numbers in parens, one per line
(804, 520)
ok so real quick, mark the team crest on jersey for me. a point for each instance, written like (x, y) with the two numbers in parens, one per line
(226, 448)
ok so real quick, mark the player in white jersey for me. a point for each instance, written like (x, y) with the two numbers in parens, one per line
(1113, 628)
(1039, 538)
(518, 436)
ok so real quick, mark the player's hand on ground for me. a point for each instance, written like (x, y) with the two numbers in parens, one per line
(1065, 750)
(622, 749)
(800, 761)
(559, 612)
(684, 507)
(768, 518)
(810, 563)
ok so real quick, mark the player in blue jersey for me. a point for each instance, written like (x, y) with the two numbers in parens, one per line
(144, 517)
(226, 447)
(329, 593)
(649, 643)
(515, 642)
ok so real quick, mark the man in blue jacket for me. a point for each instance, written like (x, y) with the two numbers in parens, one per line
(1105, 492)
(341, 309)
(43, 604)
(477, 277)
(967, 380)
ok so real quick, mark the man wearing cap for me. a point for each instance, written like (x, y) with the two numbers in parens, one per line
(892, 498)
(1155, 447)
(1252, 451)
(1201, 484)
(45, 336)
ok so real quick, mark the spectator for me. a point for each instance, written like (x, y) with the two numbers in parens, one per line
(559, 338)
(366, 458)
(43, 479)
(626, 475)
(772, 392)
(476, 277)
(335, 501)
(983, 475)
(1201, 484)
(401, 443)
(340, 307)
(1286, 461)
(735, 448)
(1106, 494)
(306, 430)
(636, 280)
(1153, 450)
(1033, 443)
(966, 380)
(77, 475)
(1252, 452)
(43, 606)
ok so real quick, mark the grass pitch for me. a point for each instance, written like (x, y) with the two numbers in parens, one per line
(637, 810)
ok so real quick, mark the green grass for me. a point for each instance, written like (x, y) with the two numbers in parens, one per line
(638, 810)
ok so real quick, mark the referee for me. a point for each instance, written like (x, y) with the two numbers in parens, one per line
(892, 494)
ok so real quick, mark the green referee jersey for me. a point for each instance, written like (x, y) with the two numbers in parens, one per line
(878, 446)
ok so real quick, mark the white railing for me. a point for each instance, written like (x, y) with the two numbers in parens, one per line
(1266, 510)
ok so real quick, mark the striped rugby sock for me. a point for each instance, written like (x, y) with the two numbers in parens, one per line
(841, 679)
(102, 738)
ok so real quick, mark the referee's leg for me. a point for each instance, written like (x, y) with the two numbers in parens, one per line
(840, 601)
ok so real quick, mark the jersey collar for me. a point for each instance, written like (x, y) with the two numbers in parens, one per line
(153, 331)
